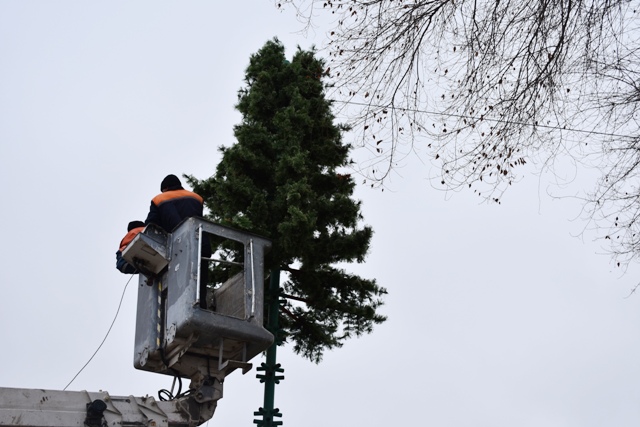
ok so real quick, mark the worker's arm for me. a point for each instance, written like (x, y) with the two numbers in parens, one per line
(154, 215)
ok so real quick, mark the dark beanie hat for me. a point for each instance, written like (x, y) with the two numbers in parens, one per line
(170, 182)
(135, 224)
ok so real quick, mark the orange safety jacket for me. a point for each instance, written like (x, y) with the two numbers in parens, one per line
(168, 209)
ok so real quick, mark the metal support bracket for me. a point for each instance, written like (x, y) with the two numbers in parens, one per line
(243, 364)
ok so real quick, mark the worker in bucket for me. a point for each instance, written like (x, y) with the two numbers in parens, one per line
(133, 229)
(173, 204)
(170, 208)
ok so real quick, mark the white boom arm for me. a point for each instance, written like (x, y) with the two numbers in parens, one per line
(53, 408)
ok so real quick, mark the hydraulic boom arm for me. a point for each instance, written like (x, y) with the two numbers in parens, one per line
(52, 408)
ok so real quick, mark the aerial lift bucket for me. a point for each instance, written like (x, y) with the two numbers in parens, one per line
(175, 335)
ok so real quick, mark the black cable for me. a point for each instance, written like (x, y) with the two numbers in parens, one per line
(105, 337)
(488, 119)
(166, 395)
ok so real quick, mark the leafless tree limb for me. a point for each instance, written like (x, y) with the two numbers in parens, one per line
(484, 87)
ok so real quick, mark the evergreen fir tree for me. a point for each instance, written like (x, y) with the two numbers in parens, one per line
(283, 180)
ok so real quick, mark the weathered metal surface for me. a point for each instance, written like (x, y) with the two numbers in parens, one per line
(174, 336)
(54, 408)
(148, 250)
(228, 298)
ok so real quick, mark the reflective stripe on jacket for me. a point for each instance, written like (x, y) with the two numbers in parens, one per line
(168, 209)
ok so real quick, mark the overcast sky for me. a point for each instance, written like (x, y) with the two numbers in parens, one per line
(499, 316)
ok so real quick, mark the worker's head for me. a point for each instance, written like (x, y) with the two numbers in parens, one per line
(170, 182)
(135, 224)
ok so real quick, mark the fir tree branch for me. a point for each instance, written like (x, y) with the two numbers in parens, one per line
(304, 300)
(289, 313)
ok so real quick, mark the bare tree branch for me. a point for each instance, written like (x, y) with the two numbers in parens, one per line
(484, 87)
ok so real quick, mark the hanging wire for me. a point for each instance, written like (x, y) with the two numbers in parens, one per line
(105, 337)
(165, 395)
(488, 119)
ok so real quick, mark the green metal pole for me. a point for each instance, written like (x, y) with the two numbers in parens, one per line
(271, 369)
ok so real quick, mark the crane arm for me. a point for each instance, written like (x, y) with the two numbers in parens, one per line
(55, 408)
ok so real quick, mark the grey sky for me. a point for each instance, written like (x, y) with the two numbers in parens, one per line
(498, 316)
